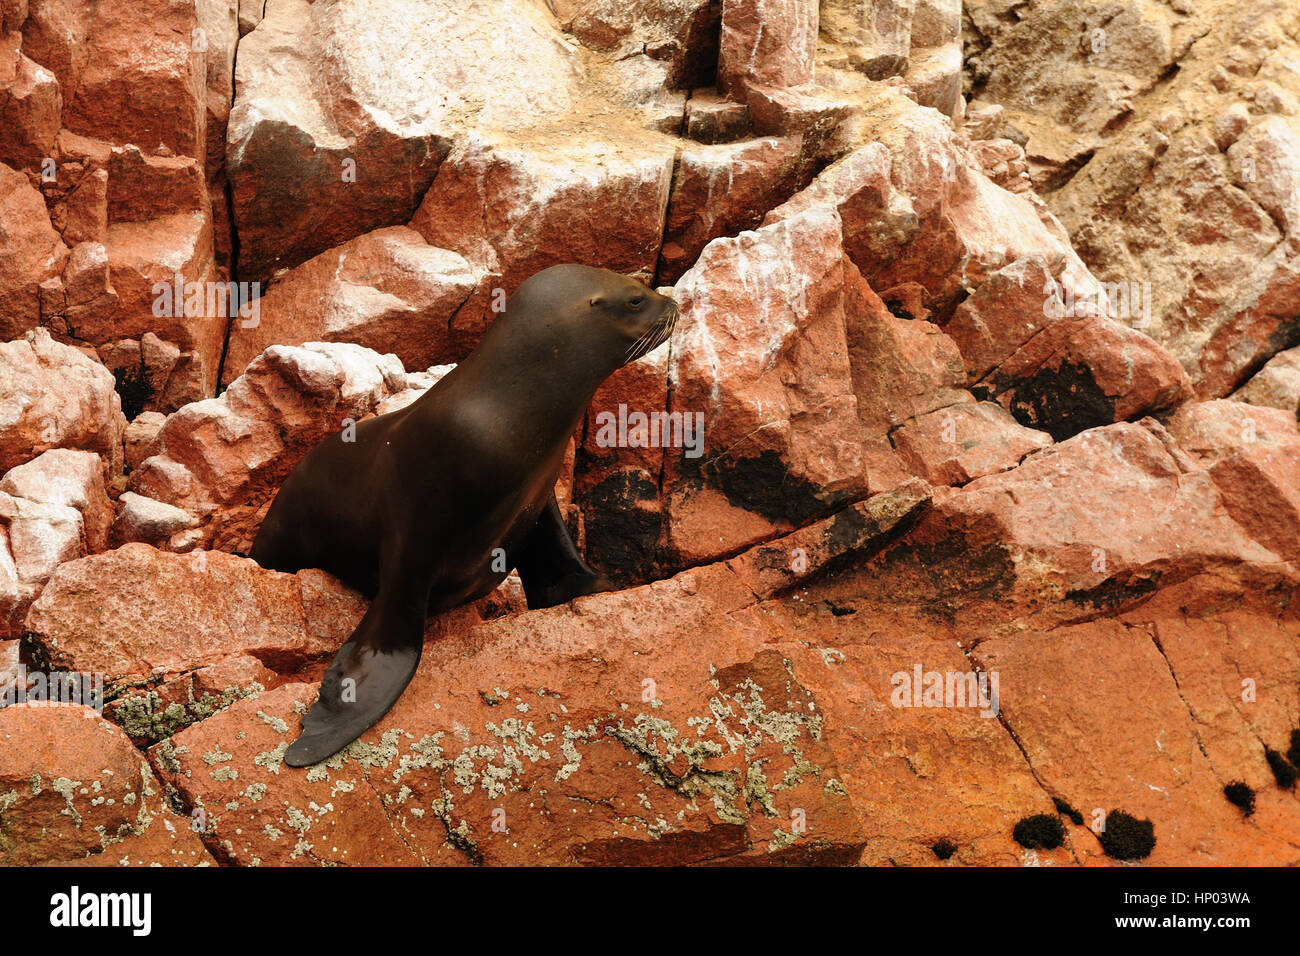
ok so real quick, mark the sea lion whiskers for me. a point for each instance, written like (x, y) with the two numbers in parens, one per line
(656, 335)
(632, 351)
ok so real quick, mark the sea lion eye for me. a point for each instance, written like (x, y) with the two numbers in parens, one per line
(635, 301)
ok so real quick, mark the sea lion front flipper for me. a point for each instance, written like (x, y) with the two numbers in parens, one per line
(367, 676)
(549, 565)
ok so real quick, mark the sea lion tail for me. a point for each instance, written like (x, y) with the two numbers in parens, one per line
(365, 679)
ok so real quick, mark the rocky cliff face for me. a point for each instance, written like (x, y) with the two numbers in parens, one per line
(990, 320)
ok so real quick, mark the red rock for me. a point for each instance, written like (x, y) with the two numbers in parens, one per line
(682, 33)
(917, 208)
(712, 119)
(935, 76)
(73, 788)
(918, 775)
(386, 290)
(1003, 314)
(766, 43)
(29, 108)
(512, 210)
(1212, 234)
(86, 209)
(563, 763)
(720, 191)
(142, 82)
(219, 22)
(1090, 524)
(144, 187)
(55, 35)
(1080, 373)
(223, 459)
(114, 614)
(12, 15)
(761, 356)
(53, 509)
(901, 368)
(267, 815)
(1276, 385)
(30, 253)
(1061, 695)
(324, 109)
(1003, 161)
(640, 386)
(860, 529)
(1253, 455)
(87, 285)
(145, 256)
(599, 733)
(877, 218)
(138, 441)
(616, 487)
(53, 396)
(876, 35)
(1236, 663)
(823, 116)
(935, 22)
(151, 522)
(73, 479)
(1261, 316)
(9, 661)
(155, 711)
(952, 446)
(1023, 344)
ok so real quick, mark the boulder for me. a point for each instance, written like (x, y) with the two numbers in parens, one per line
(54, 396)
(513, 209)
(138, 77)
(52, 509)
(29, 108)
(1276, 385)
(31, 253)
(954, 445)
(1091, 524)
(152, 522)
(387, 290)
(74, 791)
(139, 439)
(115, 614)
(222, 459)
(722, 189)
(760, 360)
(683, 34)
(335, 132)
(1253, 454)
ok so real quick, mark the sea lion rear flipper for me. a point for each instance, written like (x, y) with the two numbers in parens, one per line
(367, 676)
(549, 565)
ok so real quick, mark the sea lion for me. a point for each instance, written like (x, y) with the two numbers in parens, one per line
(413, 511)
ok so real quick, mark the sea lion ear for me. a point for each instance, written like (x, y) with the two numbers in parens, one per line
(595, 302)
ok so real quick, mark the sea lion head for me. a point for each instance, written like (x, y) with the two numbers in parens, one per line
(610, 318)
